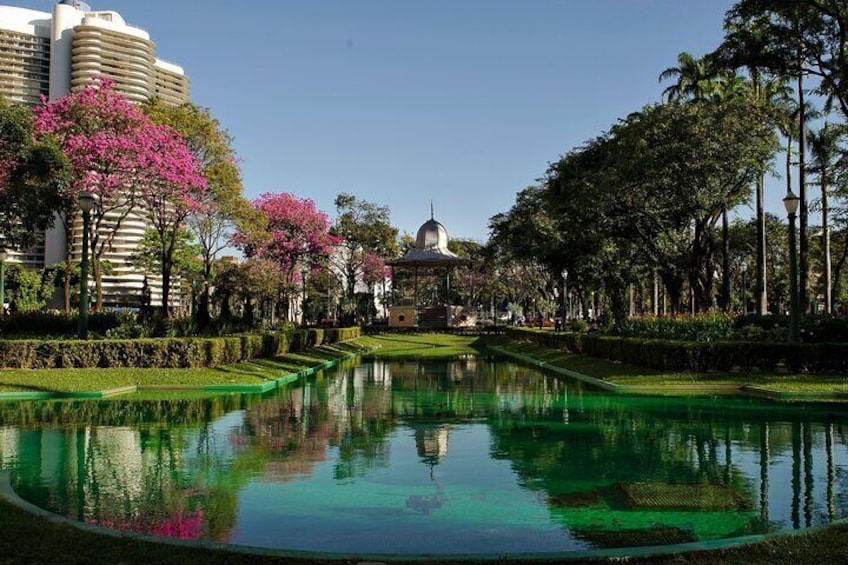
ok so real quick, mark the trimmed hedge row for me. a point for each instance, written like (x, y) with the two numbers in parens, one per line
(476, 330)
(671, 355)
(162, 352)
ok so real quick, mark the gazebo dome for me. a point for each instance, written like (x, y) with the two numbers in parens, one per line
(431, 248)
(432, 235)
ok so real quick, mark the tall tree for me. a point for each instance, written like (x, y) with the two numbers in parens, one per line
(794, 39)
(32, 175)
(694, 79)
(701, 81)
(825, 151)
(112, 155)
(365, 233)
(297, 236)
(790, 38)
(223, 204)
(174, 190)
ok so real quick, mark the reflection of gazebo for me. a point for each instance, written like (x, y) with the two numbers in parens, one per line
(429, 254)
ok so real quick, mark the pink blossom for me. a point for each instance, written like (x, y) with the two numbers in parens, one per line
(297, 233)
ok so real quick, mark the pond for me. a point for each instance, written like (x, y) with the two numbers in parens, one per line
(471, 456)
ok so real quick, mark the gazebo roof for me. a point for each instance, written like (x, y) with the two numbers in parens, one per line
(431, 248)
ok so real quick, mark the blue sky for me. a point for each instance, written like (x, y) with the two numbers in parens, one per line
(399, 102)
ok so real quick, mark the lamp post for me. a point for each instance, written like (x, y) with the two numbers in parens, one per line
(564, 297)
(790, 202)
(3, 256)
(744, 270)
(86, 203)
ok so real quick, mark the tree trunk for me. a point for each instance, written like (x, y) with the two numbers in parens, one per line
(166, 289)
(803, 239)
(618, 304)
(762, 283)
(66, 278)
(840, 264)
(202, 316)
(673, 283)
(97, 272)
(167, 266)
(725, 262)
(66, 283)
(701, 270)
(828, 296)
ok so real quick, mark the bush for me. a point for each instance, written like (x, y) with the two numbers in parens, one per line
(337, 335)
(701, 327)
(161, 352)
(675, 355)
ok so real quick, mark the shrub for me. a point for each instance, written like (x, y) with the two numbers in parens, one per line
(158, 352)
(701, 327)
(675, 355)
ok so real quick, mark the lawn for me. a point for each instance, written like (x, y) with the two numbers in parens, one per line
(419, 346)
(636, 379)
(254, 372)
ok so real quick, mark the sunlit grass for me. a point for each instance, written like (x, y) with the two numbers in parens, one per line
(635, 378)
(418, 346)
(254, 372)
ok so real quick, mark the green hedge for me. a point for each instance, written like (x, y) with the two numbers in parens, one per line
(673, 355)
(701, 327)
(162, 352)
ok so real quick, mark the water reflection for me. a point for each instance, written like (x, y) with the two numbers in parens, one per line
(472, 455)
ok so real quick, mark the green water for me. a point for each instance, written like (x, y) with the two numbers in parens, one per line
(476, 455)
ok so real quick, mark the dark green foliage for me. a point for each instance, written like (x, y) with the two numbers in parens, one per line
(704, 327)
(336, 335)
(57, 325)
(674, 355)
(162, 352)
(814, 328)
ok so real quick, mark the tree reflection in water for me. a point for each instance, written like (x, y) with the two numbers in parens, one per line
(192, 468)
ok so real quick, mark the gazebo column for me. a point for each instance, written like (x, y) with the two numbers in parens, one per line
(448, 303)
(394, 290)
(415, 295)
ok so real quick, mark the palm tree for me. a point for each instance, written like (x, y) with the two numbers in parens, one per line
(699, 81)
(693, 79)
(776, 95)
(825, 151)
(790, 128)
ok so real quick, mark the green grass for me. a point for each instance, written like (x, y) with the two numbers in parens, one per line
(418, 346)
(86, 380)
(635, 378)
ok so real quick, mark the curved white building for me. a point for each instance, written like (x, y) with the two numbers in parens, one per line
(49, 55)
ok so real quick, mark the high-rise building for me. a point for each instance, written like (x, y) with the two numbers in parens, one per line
(50, 55)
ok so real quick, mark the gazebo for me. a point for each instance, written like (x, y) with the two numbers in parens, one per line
(429, 254)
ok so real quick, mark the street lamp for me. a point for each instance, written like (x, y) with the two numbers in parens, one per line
(790, 202)
(564, 297)
(3, 256)
(87, 202)
(744, 270)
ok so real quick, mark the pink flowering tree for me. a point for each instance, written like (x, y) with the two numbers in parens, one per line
(296, 237)
(174, 187)
(107, 141)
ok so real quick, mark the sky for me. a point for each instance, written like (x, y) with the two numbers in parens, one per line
(459, 102)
